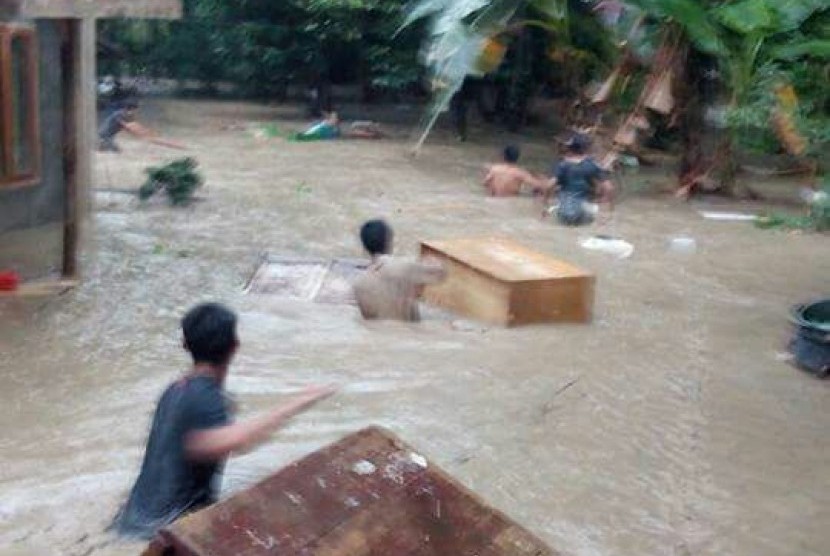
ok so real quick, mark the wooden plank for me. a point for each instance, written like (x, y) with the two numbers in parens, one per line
(82, 9)
(40, 289)
(504, 259)
(70, 60)
(327, 505)
(7, 120)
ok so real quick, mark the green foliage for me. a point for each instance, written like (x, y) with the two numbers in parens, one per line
(262, 47)
(811, 48)
(817, 219)
(521, 45)
(179, 179)
(751, 39)
(691, 15)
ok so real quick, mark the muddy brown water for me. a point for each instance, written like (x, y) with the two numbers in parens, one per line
(672, 425)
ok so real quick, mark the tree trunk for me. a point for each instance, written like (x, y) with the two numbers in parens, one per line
(710, 169)
(690, 121)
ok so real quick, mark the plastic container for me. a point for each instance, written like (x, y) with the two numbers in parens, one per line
(683, 245)
(811, 342)
(9, 281)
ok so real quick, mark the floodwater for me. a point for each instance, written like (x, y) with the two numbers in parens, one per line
(671, 425)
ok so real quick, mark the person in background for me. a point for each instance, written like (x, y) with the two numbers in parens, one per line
(506, 178)
(124, 119)
(577, 182)
(390, 287)
(192, 433)
(331, 128)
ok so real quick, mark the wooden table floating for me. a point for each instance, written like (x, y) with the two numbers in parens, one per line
(367, 495)
(498, 281)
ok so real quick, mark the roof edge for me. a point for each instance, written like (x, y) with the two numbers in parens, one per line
(77, 9)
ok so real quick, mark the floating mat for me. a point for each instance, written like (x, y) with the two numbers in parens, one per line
(318, 280)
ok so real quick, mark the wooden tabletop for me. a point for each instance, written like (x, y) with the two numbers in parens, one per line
(505, 259)
(368, 494)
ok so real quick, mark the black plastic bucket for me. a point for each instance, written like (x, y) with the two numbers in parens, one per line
(811, 343)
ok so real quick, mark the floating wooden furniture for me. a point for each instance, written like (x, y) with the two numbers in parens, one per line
(367, 495)
(319, 280)
(498, 281)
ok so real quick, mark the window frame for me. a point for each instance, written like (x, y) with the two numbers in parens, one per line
(10, 177)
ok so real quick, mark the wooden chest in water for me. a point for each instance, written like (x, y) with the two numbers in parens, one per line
(498, 281)
(366, 495)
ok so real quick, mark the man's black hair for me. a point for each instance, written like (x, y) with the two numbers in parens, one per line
(512, 154)
(130, 104)
(579, 143)
(375, 235)
(210, 333)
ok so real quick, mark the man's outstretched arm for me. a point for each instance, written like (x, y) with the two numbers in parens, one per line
(145, 133)
(217, 443)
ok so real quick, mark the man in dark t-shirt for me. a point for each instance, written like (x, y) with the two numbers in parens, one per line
(192, 434)
(578, 180)
(124, 119)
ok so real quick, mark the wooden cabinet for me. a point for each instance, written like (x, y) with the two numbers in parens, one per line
(498, 281)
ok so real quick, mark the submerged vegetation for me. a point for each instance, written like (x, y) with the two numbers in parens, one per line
(178, 179)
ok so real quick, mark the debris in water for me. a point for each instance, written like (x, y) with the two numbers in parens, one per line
(418, 460)
(683, 245)
(610, 245)
(728, 216)
(295, 498)
(364, 467)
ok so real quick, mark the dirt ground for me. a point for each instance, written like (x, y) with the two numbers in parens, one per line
(671, 425)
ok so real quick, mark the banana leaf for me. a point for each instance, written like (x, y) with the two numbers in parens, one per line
(792, 13)
(693, 17)
(768, 16)
(461, 43)
(810, 48)
(748, 16)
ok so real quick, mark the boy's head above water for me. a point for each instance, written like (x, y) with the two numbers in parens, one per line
(210, 334)
(512, 154)
(377, 237)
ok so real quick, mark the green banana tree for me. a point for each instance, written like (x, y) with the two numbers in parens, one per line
(745, 37)
(470, 37)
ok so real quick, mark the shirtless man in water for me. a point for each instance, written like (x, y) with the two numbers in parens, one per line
(506, 179)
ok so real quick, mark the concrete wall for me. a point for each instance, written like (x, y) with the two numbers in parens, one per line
(39, 208)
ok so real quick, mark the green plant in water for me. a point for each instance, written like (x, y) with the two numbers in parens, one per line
(818, 219)
(179, 179)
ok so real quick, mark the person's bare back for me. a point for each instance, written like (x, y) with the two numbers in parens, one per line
(507, 178)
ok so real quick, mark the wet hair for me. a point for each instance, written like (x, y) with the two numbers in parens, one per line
(578, 144)
(210, 333)
(375, 235)
(512, 153)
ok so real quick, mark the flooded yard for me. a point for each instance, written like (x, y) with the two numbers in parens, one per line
(671, 425)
